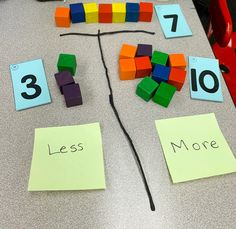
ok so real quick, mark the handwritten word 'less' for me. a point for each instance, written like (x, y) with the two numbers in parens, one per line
(65, 149)
(195, 146)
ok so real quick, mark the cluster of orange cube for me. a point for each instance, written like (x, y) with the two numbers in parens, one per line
(140, 61)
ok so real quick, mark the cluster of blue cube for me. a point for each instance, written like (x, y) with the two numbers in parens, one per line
(77, 13)
(132, 12)
(161, 73)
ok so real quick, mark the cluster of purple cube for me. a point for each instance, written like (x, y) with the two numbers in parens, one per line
(69, 88)
(144, 50)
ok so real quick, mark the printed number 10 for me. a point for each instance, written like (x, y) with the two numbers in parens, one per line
(201, 81)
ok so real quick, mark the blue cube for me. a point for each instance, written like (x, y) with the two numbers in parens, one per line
(77, 12)
(132, 12)
(161, 73)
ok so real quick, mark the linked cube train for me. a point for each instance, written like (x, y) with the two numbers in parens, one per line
(103, 13)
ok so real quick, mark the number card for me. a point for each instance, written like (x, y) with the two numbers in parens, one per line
(29, 84)
(172, 21)
(204, 75)
(194, 147)
(67, 158)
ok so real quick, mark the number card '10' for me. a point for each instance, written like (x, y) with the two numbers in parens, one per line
(204, 75)
(29, 84)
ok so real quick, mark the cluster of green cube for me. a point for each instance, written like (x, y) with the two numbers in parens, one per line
(159, 58)
(159, 93)
(168, 75)
(67, 62)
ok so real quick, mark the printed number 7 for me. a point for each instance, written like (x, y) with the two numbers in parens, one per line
(33, 85)
(175, 20)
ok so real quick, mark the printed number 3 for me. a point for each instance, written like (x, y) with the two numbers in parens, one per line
(175, 20)
(33, 85)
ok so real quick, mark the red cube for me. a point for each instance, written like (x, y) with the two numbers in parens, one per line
(143, 66)
(146, 11)
(105, 13)
(177, 77)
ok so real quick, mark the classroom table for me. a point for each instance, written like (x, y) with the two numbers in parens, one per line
(28, 32)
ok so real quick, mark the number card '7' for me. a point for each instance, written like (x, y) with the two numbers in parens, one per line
(172, 21)
(29, 84)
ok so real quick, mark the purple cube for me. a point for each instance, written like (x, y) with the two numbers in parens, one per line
(64, 78)
(144, 50)
(72, 95)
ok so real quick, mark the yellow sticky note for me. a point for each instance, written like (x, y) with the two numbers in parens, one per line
(91, 12)
(118, 12)
(194, 147)
(67, 158)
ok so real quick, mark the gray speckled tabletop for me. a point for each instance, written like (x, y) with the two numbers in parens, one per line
(28, 32)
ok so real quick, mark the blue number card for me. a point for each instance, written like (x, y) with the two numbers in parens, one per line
(29, 84)
(172, 21)
(204, 78)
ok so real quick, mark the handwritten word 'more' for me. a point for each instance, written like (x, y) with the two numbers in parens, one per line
(182, 145)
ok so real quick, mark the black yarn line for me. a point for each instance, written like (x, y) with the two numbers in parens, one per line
(107, 33)
(111, 100)
(126, 31)
(152, 206)
(79, 34)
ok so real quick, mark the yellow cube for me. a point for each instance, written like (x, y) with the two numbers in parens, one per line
(118, 12)
(91, 12)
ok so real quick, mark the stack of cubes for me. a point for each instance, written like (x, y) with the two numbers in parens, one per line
(103, 13)
(67, 68)
(163, 74)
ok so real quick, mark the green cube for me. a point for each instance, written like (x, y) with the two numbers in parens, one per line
(146, 88)
(67, 62)
(164, 94)
(159, 58)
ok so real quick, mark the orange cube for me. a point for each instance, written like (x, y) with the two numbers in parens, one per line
(127, 51)
(177, 61)
(177, 77)
(143, 66)
(62, 17)
(127, 69)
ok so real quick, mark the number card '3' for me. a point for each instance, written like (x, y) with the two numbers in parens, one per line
(29, 84)
(172, 21)
(204, 78)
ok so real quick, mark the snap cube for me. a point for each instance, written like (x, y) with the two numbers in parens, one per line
(127, 69)
(159, 58)
(177, 78)
(132, 12)
(62, 17)
(67, 62)
(177, 61)
(146, 11)
(77, 12)
(64, 78)
(146, 88)
(164, 94)
(144, 50)
(72, 95)
(119, 12)
(127, 51)
(91, 12)
(143, 66)
(105, 13)
(161, 73)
